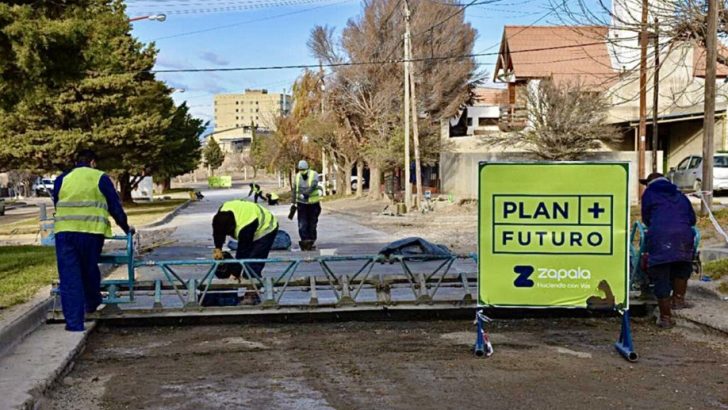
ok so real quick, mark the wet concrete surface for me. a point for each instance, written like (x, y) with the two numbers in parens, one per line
(544, 363)
(191, 239)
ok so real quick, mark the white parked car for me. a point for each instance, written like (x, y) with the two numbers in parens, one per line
(688, 175)
(43, 186)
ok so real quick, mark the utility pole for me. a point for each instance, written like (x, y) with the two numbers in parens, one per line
(407, 185)
(324, 164)
(415, 127)
(711, 46)
(642, 133)
(655, 95)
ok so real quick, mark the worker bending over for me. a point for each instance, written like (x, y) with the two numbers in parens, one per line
(306, 194)
(255, 189)
(253, 226)
(669, 218)
(84, 198)
(272, 198)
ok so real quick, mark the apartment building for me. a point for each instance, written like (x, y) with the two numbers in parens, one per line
(236, 115)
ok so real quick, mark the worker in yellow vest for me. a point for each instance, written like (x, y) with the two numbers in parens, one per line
(253, 226)
(272, 198)
(307, 195)
(84, 199)
(255, 189)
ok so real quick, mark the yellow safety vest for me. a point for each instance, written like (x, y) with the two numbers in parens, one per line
(81, 206)
(274, 196)
(315, 194)
(246, 212)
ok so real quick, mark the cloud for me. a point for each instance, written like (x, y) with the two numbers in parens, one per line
(213, 58)
(170, 63)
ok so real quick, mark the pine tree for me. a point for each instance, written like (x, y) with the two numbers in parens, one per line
(213, 155)
(71, 77)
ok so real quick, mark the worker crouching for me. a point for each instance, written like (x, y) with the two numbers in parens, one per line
(253, 226)
(669, 217)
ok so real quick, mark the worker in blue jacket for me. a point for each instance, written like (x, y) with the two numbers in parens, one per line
(84, 199)
(669, 217)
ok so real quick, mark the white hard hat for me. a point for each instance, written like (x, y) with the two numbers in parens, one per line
(302, 165)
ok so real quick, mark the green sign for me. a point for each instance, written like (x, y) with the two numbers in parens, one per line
(553, 234)
(220, 182)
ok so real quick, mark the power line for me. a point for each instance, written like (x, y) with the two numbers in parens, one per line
(359, 63)
(251, 21)
(221, 9)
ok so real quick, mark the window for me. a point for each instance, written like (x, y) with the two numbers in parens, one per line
(237, 110)
(683, 164)
(469, 122)
(484, 122)
(237, 102)
(256, 110)
(695, 162)
(720, 161)
(236, 117)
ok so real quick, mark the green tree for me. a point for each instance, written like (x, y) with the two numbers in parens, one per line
(182, 149)
(214, 156)
(72, 76)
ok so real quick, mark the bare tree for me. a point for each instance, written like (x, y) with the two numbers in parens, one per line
(566, 121)
(367, 95)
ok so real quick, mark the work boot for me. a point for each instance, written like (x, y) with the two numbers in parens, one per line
(302, 245)
(665, 319)
(679, 288)
(307, 245)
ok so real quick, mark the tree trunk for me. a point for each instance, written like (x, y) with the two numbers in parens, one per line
(360, 178)
(375, 182)
(344, 176)
(164, 185)
(125, 188)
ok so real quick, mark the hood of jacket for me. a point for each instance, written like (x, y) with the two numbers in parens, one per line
(665, 188)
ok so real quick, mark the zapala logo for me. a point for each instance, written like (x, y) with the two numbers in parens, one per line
(524, 272)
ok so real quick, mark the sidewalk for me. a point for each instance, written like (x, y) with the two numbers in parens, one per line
(32, 367)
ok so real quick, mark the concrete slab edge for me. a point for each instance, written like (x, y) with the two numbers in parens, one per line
(701, 324)
(43, 386)
(31, 316)
(167, 218)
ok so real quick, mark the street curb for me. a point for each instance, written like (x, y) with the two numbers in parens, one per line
(167, 218)
(29, 318)
(38, 392)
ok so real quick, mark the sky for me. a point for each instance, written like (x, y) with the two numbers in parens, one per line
(246, 33)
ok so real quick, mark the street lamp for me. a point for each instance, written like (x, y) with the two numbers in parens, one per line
(156, 17)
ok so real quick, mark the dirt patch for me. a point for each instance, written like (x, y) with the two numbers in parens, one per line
(452, 225)
(547, 363)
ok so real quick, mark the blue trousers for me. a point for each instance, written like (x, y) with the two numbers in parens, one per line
(257, 250)
(664, 274)
(77, 255)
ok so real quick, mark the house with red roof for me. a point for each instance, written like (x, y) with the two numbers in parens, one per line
(601, 59)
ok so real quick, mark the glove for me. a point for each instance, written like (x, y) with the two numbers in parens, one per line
(217, 254)
(302, 197)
